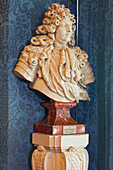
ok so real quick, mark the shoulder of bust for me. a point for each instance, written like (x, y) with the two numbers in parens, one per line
(79, 53)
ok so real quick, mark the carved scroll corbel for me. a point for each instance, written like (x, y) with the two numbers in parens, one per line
(38, 158)
(76, 158)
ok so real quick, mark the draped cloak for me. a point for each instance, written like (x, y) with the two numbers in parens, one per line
(56, 73)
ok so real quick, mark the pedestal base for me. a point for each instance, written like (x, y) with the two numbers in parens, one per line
(59, 121)
(60, 152)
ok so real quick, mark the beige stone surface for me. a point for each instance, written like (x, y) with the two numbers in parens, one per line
(60, 152)
(62, 141)
(52, 64)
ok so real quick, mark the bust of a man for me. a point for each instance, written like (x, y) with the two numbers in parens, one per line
(52, 64)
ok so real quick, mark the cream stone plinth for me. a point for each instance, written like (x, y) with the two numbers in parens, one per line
(60, 152)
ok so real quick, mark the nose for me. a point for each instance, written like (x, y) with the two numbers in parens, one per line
(68, 29)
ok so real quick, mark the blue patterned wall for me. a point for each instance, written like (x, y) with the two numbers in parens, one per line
(96, 38)
(87, 111)
(4, 53)
(20, 106)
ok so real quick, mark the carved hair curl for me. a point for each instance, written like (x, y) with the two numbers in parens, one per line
(53, 16)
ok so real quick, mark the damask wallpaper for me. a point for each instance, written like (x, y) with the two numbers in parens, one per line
(96, 38)
(4, 85)
(20, 106)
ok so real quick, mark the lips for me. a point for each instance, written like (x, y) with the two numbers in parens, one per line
(67, 33)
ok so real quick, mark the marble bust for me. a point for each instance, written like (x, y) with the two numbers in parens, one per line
(51, 63)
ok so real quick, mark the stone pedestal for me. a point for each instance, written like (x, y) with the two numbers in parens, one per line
(60, 152)
(59, 120)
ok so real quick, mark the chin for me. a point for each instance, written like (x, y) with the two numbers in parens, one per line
(67, 40)
(64, 41)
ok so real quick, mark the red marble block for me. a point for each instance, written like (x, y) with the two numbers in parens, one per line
(59, 121)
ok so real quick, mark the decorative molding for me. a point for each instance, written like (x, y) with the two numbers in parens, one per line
(70, 159)
(60, 152)
(38, 157)
(76, 159)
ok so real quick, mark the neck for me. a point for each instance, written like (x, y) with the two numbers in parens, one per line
(58, 45)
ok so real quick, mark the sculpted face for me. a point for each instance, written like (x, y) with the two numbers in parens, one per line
(64, 31)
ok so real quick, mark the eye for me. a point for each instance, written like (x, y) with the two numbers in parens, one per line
(63, 24)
